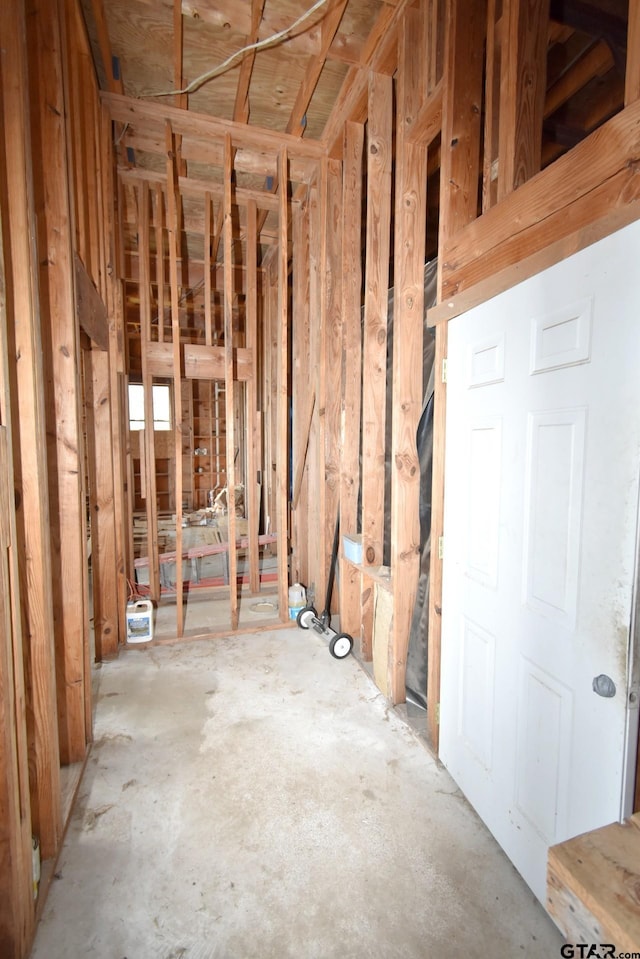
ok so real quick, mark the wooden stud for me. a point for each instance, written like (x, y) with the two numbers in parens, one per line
(315, 547)
(319, 289)
(228, 381)
(492, 106)
(159, 260)
(632, 78)
(374, 358)
(147, 438)
(408, 320)
(207, 267)
(302, 381)
(458, 206)
(522, 91)
(350, 618)
(23, 309)
(103, 541)
(332, 356)
(16, 884)
(59, 324)
(282, 407)
(119, 424)
(251, 485)
(241, 106)
(174, 246)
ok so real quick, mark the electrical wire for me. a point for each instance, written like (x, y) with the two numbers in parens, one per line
(259, 45)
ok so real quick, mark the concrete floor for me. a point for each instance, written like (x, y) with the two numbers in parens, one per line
(253, 798)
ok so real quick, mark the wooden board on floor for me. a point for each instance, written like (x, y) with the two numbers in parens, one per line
(593, 886)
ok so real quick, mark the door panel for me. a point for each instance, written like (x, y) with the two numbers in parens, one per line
(542, 461)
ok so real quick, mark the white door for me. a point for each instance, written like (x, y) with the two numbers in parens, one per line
(541, 504)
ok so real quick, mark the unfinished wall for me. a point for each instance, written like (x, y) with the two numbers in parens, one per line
(53, 291)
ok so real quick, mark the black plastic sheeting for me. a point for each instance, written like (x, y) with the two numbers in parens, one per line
(417, 656)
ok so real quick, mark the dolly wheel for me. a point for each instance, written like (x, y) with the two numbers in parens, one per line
(341, 645)
(305, 617)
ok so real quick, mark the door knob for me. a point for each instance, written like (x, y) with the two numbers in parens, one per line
(604, 686)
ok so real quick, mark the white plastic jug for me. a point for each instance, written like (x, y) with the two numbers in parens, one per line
(140, 621)
(297, 595)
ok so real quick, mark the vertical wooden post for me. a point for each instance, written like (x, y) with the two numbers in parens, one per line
(147, 437)
(174, 247)
(458, 206)
(632, 77)
(228, 380)
(315, 453)
(350, 619)
(282, 411)
(251, 488)
(159, 261)
(374, 358)
(16, 895)
(522, 91)
(207, 268)
(119, 423)
(103, 551)
(408, 320)
(59, 326)
(492, 105)
(30, 433)
(332, 354)
(302, 392)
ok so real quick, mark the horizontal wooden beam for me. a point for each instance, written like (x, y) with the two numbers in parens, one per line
(201, 362)
(190, 277)
(90, 309)
(147, 116)
(208, 363)
(190, 187)
(209, 151)
(597, 180)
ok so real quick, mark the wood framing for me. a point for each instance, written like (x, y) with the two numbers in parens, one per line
(374, 355)
(408, 320)
(252, 491)
(147, 438)
(522, 91)
(17, 907)
(173, 220)
(350, 580)
(18, 217)
(228, 380)
(459, 205)
(282, 391)
(61, 348)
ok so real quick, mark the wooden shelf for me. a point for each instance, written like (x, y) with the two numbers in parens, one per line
(377, 574)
